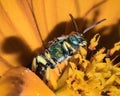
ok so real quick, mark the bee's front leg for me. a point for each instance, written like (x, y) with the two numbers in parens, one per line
(68, 48)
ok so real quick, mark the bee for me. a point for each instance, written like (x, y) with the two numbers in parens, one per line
(59, 50)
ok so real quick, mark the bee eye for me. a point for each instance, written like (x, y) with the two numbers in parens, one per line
(73, 40)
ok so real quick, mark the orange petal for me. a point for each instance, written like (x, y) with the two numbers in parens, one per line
(21, 81)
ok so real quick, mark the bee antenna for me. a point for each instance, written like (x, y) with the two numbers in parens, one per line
(92, 26)
(74, 22)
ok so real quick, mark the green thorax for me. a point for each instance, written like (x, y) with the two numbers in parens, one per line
(56, 50)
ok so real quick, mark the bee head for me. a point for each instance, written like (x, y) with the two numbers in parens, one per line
(78, 38)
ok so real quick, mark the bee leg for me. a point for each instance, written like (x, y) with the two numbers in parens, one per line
(68, 48)
(48, 56)
(59, 69)
(34, 65)
(47, 74)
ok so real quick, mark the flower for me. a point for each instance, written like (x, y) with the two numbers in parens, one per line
(94, 76)
(27, 25)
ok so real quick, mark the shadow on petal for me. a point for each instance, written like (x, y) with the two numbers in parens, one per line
(15, 45)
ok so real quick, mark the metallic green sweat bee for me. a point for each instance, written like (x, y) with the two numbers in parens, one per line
(59, 50)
